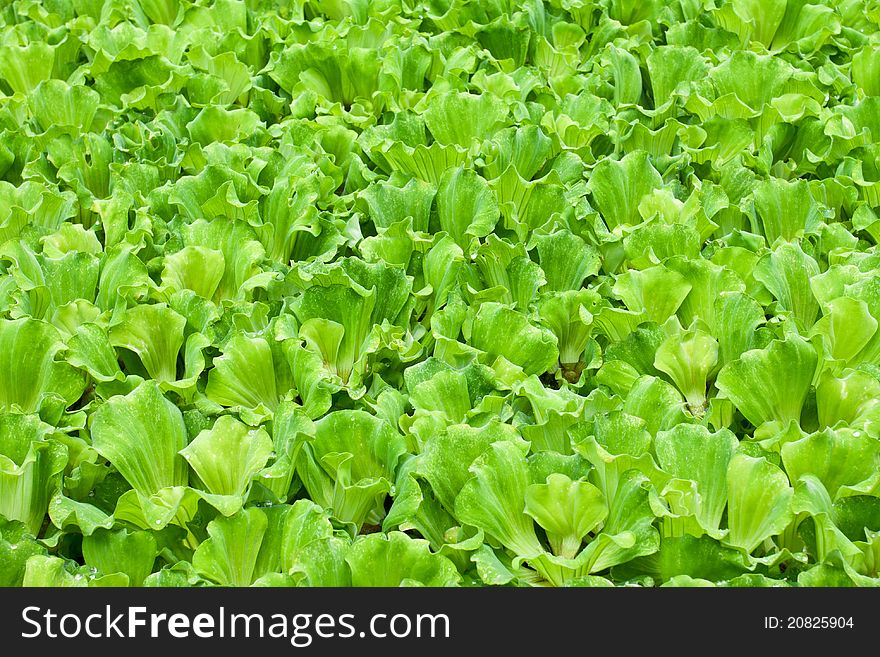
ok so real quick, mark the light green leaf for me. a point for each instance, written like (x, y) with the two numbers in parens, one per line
(494, 498)
(395, 559)
(786, 273)
(566, 259)
(568, 510)
(619, 186)
(389, 204)
(226, 457)
(846, 328)
(120, 551)
(34, 376)
(787, 209)
(461, 118)
(841, 457)
(759, 501)
(350, 464)
(447, 456)
(853, 398)
(737, 316)
(30, 469)
(672, 68)
(466, 206)
(195, 268)
(655, 292)
(628, 531)
(24, 67)
(291, 529)
(141, 434)
(244, 375)
(772, 383)
(17, 545)
(691, 452)
(688, 358)
(229, 555)
(568, 315)
(155, 333)
(500, 331)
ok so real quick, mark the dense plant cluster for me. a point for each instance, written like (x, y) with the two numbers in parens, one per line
(450, 292)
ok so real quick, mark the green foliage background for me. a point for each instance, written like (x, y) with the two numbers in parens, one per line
(456, 292)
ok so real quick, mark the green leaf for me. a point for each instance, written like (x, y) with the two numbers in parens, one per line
(655, 292)
(846, 328)
(90, 349)
(466, 206)
(124, 277)
(508, 272)
(445, 393)
(841, 457)
(233, 238)
(289, 213)
(567, 510)
(566, 259)
(291, 530)
(155, 333)
(692, 452)
(461, 118)
(752, 79)
(853, 399)
(688, 358)
(227, 456)
(656, 402)
(214, 123)
(87, 518)
(500, 331)
(244, 375)
(120, 428)
(737, 317)
(195, 268)
(389, 204)
(309, 379)
(817, 529)
(699, 557)
(24, 67)
(626, 75)
(30, 470)
(786, 273)
(336, 76)
(772, 383)
(494, 498)
(787, 209)
(16, 547)
(447, 456)
(759, 501)
(427, 163)
(569, 317)
(619, 186)
(121, 551)
(50, 571)
(350, 463)
(525, 148)
(322, 563)
(395, 559)
(56, 104)
(34, 376)
(229, 555)
(865, 69)
(672, 68)
(628, 531)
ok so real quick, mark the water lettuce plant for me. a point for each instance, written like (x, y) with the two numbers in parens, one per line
(440, 293)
